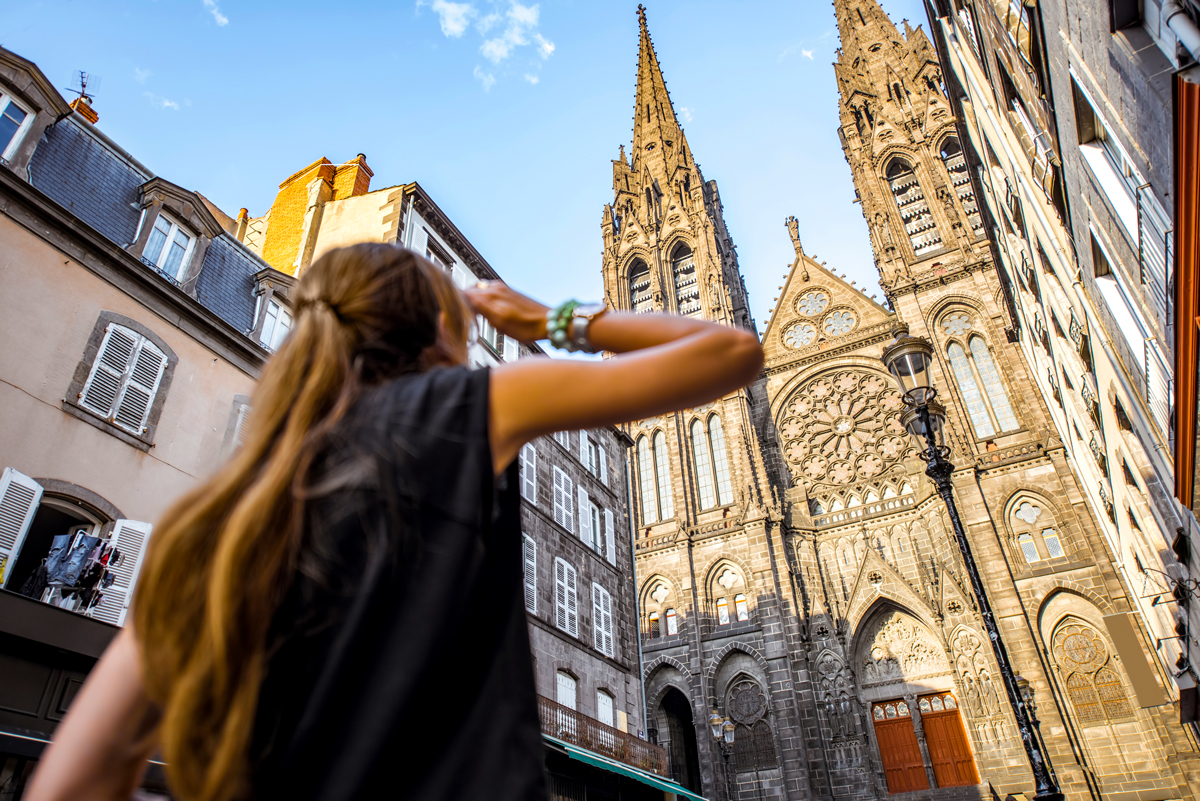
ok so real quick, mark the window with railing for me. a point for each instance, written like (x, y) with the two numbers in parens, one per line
(566, 723)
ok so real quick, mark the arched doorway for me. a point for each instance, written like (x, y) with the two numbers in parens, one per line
(682, 757)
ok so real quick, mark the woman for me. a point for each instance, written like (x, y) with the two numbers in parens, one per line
(337, 613)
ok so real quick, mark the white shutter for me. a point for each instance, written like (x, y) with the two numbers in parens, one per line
(108, 371)
(562, 500)
(585, 519)
(602, 620)
(560, 594)
(584, 456)
(572, 601)
(565, 690)
(134, 406)
(239, 428)
(529, 472)
(512, 350)
(604, 708)
(530, 573)
(19, 497)
(129, 537)
(603, 465)
(610, 537)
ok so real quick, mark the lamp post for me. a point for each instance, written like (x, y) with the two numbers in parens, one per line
(722, 732)
(909, 360)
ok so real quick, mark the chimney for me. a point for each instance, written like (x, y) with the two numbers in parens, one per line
(84, 106)
(243, 221)
(353, 178)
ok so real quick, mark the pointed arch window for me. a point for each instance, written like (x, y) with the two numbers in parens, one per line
(981, 389)
(914, 208)
(956, 165)
(687, 288)
(654, 478)
(713, 483)
(1093, 685)
(639, 287)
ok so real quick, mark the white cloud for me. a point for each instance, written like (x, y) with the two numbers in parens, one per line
(533, 79)
(485, 24)
(141, 75)
(454, 17)
(221, 19)
(522, 20)
(686, 113)
(485, 78)
(162, 102)
(807, 54)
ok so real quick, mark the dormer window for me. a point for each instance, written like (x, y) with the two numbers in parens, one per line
(14, 122)
(168, 248)
(276, 326)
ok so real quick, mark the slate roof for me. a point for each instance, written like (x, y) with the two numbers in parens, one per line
(99, 185)
(88, 179)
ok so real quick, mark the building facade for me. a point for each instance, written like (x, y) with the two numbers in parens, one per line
(828, 614)
(1075, 160)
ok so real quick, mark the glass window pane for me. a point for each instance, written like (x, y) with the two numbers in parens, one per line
(1053, 543)
(969, 390)
(1029, 548)
(646, 480)
(283, 326)
(672, 622)
(740, 608)
(703, 469)
(716, 434)
(175, 253)
(902, 709)
(992, 384)
(268, 329)
(950, 702)
(924, 704)
(878, 713)
(662, 464)
(10, 122)
(655, 630)
(722, 611)
(158, 238)
(936, 703)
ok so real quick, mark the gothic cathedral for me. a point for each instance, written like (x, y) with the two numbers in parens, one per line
(796, 569)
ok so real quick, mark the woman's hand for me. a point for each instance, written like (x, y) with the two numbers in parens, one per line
(513, 314)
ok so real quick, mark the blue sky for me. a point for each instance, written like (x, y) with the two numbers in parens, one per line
(508, 114)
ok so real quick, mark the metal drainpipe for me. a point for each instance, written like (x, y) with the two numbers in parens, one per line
(1182, 26)
(637, 602)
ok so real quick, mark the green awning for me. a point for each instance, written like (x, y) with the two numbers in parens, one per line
(620, 768)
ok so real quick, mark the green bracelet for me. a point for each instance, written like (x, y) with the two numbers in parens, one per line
(558, 326)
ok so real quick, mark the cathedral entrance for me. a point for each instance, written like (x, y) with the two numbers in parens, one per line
(682, 756)
(949, 750)
(902, 762)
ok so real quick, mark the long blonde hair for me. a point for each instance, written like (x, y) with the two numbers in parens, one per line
(223, 556)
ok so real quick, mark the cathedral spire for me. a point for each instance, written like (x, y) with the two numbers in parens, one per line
(863, 23)
(654, 120)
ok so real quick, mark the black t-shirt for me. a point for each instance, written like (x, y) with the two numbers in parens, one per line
(400, 664)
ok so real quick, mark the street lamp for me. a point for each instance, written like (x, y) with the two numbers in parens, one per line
(723, 731)
(909, 360)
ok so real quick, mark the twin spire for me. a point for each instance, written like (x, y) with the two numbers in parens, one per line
(655, 126)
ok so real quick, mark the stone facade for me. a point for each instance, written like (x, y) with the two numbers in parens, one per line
(830, 592)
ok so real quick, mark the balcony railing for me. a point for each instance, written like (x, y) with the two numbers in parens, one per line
(578, 729)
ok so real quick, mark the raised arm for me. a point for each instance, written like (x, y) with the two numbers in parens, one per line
(666, 363)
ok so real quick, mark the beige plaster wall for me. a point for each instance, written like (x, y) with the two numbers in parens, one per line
(353, 220)
(49, 305)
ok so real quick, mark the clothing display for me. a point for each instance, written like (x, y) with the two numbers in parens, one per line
(400, 662)
(70, 566)
(35, 584)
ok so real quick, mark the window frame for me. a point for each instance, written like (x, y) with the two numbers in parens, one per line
(529, 572)
(265, 310)
(611, 704)
(22, 130)
(566, 597)
(527, 472)
(963, 343)
(173, 227)
(564, 512)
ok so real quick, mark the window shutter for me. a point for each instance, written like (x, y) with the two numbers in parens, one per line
(19, 498)
(512, 349)
(129, 537)
(610, 537)
(572, 601)
(584, 456)
(529, 472)
(585, 520)
(134, 406)
(239, 428)
(560, 594)
(597, 619)
(608, 625)
(117, 349)
(603, 465)
(530, 573)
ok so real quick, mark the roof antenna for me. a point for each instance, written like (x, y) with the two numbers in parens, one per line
(83, 79)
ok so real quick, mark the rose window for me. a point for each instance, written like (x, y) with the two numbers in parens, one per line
(843, 426)
(957, 323)
(800, 335)
(840, 322)
(812, 303)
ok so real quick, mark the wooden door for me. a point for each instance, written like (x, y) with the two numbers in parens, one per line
(898, 747)
(953, 765)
